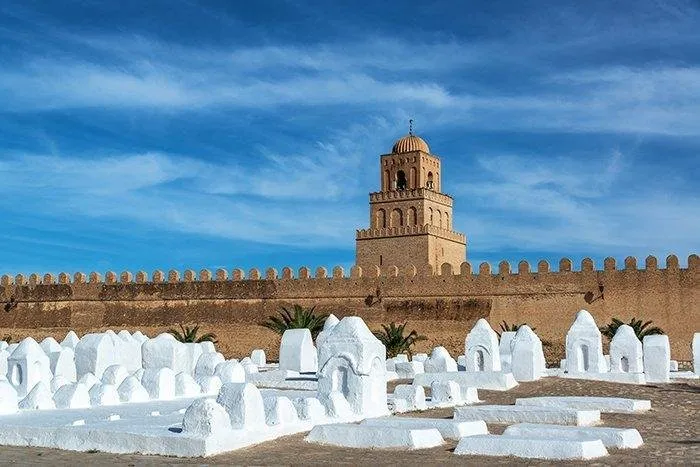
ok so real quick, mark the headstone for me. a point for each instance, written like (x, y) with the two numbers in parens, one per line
(445, 393)
(328, 325)
(205, 417)
(185, 385)
(244, 405)
(209, 384)
(351, 362)
(72, 396)
(164, 352)
(258, 357)
(297, 351)
(206, 364)
(527, 356)
(104, 394)
(408, 370)
(39, 398)
(8, 398)
(504, 349)
(159, 382)
(131, 390)
(413, 395)
(626, 355)
(481, 348)
(657, 357)
(279, 410)
(584, 348)
(71, 340)
(115, 375)
(94, 353)
(27, 366)
(440, 361)
(230, 372)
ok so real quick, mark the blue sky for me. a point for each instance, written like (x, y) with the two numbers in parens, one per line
(184, 134)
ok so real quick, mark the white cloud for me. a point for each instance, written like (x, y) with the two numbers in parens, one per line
(538, 204)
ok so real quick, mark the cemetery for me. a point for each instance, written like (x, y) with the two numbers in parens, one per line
(125, 393)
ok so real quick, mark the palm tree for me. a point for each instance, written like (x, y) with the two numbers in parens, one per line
(505, 327)
(393, 338)
(298, 318)
(640, 329)
(189, 334)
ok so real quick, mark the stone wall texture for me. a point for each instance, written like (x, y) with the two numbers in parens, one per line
(442, 304)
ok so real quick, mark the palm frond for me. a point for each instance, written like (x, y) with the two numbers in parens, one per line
(296, 318)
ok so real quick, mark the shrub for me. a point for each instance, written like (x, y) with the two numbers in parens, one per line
(505, 327)
(393, 338)
(640, 329)
(298, 319)
(189, 334)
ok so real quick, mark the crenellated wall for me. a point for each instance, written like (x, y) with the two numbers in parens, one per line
(442, 304)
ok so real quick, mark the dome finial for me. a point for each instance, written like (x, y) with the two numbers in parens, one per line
(410, 127)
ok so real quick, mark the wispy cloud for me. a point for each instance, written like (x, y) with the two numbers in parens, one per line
(578, 205)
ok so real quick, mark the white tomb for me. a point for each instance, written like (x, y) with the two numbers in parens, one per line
(504, 349)
(413, 395)
(309, 408)
(535, 448)
(408, 370)
(63, 364)
(131, 390)
(244, 405)
(39, 398)
(331, 322)
(230, 372)
(440, 361)
(657, 358)
(205, 417)
(584, 348)
(481, 348)
(626, 354)
(379, 437)
(351, 362)
(94, 353)
(279, 410)
(71, 340)
(165, 352)
(696, 353)
(297, 351)
(185, 385)
(207, 363)
(27, 366)
(104, 394)
(527, 356)
(115, 374)
(72, 396)
(159, 382)
(620, 438)
(258, 357)
(8, 397)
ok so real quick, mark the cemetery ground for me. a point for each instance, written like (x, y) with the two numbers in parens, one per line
(671, 433)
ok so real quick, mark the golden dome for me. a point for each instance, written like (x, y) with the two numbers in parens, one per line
(410, 143)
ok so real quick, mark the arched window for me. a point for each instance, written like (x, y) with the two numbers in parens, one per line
(438, 218)
(429, 183)
(381, 219)
(401, 183)
(386, 181)
(412, 216)
(430, 216)
(412, 178)
(447, 221)
(396, 218)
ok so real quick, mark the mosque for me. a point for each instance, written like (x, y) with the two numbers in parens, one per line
(410, 217)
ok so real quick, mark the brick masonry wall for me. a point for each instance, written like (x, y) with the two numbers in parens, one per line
(442, 305)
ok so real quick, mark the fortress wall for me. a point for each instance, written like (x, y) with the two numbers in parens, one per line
(443, 304)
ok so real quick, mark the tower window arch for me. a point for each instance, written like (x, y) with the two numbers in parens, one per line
(438, 219)
(396, 218)
(412, 178)
(430, 216)
(401, 182)
(381, 219)
(429, 184)
(412, 216)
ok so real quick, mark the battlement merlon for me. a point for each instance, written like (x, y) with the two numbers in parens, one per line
(365, 234)
(416, 193)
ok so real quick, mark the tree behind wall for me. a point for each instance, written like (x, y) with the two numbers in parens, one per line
(297, 318)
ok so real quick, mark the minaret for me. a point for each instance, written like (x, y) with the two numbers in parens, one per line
(410, 217)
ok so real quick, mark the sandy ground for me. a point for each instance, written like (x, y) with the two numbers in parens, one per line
(671, 432)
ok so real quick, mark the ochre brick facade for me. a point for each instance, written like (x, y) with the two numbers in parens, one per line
(410, 219)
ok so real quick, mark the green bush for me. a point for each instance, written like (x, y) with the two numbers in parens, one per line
(299, 318)
(393, 338)
(189, 334)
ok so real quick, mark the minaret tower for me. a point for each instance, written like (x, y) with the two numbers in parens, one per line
(410, 217)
